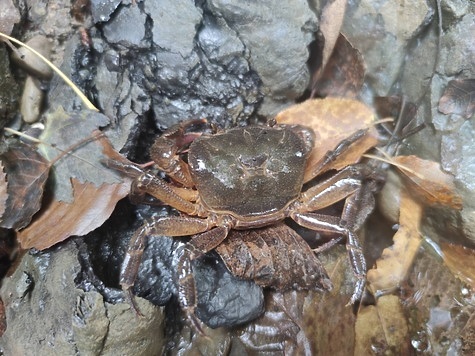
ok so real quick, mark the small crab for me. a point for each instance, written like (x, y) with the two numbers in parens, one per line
(247, 178)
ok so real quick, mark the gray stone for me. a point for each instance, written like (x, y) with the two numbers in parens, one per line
(174, 24)
(127, 27)
(102, 10)
(30, 61)
(382, 32)
(276, 36)
(49, 314)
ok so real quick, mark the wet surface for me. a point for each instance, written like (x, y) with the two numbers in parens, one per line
(150, 65)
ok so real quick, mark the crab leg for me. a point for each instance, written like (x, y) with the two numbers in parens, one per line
(169, 226)
(334, 189)
(327, 160)
(195, 248)
(350, 184)
(357, 208)
(158, 188)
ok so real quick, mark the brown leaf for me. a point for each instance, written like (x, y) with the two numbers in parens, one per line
(382, 328)
(459, 98)
(343, 76)
(392, 268)
(332, 120)
(26, 172)
(59, 220)
(429, 183)
(330, 24)
(461, 261)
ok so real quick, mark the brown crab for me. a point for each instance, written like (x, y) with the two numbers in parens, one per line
(247, 178)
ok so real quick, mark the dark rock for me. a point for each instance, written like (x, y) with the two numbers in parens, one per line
(224, 300)
(9, 89)
(101, 10)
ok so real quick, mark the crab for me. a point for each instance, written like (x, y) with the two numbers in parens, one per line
(247, 178)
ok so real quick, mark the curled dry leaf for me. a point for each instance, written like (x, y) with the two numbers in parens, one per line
(330, 24)
(56, 222)
(343, 76)
(392, 268)
(461, 262)
(428, 182)
(459, 98)
(382, 328)
(26, 172)
(332, 120)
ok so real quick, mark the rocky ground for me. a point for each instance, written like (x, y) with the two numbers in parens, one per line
(150, 64)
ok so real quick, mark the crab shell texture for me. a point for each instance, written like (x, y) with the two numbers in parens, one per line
(252, 171)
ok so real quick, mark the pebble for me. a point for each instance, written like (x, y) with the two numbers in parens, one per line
(31, 100)
(31, 62)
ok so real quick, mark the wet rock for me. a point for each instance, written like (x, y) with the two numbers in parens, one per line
(9, 16)
(457, 49)
(224, 300)
(101, 10)
(277, 36)
(221, 301)
(30, 61)
(47, 312)
(9, 89)
(127, 28)
(204, 60)
(382, 32)
(174, 24)
(31, 100)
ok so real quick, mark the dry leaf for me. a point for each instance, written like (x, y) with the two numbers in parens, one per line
(459, 98)
(59, 220)
(461, 261)
(392, 268)
(429, 183)
(343, 76)
(26, 171)
(382, 329)
(330, 24)
(333, 120)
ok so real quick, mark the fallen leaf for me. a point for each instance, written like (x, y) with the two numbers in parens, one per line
(393, 265)
(382, 329)
(343, 75)
(459, 98)
(461, 261)
(65, 130)
(56, 222)
(26, 172)
(333, 120)
(428, 182)
(330, 24)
